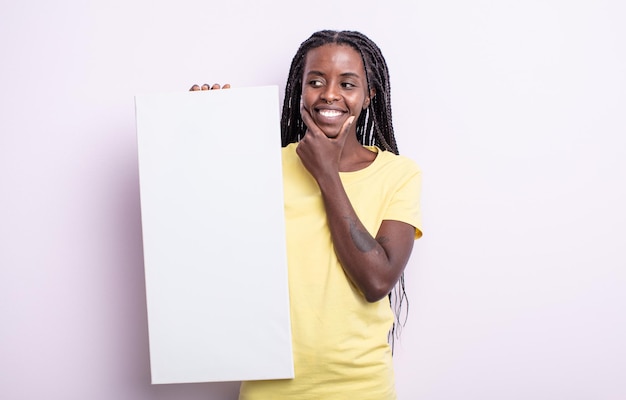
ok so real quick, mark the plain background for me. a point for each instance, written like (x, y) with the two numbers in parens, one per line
(513, 109)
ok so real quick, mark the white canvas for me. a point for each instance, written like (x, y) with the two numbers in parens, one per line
(213, 235)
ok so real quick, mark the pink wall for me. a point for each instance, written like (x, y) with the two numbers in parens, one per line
(514, 111)
(72, 297)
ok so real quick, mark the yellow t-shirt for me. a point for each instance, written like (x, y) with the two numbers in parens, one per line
(339, 339)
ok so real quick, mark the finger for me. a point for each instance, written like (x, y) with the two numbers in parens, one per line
(215, 86)
(226, 86)
(345, 128)
(306, 115)
(206, 86)
(308, 120)
(194, 88)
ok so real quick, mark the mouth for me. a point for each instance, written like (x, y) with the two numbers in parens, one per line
(330, 119)
(330, 115)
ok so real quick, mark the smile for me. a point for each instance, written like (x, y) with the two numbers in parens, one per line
(330, 113)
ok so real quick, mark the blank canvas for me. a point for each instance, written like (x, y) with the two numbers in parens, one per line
(214, 235)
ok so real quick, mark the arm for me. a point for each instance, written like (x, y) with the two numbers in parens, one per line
(373, 264)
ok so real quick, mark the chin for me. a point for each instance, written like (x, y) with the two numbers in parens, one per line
(331, 132)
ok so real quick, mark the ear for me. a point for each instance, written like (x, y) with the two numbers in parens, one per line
(369, 98)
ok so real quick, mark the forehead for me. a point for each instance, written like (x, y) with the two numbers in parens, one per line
(334, 56)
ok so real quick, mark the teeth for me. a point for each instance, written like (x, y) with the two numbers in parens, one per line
(330, 113)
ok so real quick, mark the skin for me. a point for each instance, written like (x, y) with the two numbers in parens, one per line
(334, 81)
(335, 74)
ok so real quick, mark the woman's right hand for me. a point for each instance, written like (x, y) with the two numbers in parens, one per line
(206, 86)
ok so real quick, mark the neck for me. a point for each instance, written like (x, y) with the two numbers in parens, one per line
(355, 157)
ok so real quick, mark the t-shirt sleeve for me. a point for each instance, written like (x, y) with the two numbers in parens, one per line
(405, 202)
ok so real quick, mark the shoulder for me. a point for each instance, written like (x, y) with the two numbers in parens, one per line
(291, 164)
(397, 164)
(289, 150)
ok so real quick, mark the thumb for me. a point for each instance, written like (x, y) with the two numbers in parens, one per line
(345, 128)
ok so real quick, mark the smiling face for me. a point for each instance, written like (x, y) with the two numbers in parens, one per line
(334, 86)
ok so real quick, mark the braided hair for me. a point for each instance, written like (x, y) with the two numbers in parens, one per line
(374, 126)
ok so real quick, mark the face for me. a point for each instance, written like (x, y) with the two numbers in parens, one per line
(334, 86)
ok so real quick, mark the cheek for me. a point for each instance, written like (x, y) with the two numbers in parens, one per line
(366, 100)
(306, 99)
(361, 102)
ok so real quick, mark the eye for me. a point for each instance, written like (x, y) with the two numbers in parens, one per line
(348, 85)
(315, 83)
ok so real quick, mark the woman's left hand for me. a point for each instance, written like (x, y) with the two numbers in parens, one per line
(319, 153)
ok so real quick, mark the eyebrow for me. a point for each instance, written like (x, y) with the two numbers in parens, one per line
(345, 74)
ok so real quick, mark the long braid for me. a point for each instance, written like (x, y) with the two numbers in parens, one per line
(374, 126)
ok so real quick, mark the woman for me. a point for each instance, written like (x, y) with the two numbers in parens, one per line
(352, 215)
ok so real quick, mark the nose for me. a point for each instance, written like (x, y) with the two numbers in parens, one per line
(330, 94)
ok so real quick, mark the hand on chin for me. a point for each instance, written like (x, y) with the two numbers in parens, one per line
(331, 130)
